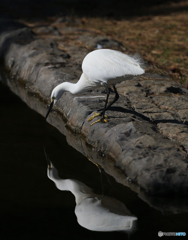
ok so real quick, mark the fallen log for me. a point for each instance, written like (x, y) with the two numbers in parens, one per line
(144, 143)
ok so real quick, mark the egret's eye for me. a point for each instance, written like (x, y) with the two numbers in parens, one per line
(53, 98)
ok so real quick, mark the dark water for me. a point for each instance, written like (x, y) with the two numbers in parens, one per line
(31, 207)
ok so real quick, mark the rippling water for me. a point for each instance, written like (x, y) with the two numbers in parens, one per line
(31, 207)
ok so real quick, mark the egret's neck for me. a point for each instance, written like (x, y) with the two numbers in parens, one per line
(83, 85)
(64, 87)
(78, 189)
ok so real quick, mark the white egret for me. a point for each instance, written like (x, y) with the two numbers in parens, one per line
(94, 212)
(102, 67)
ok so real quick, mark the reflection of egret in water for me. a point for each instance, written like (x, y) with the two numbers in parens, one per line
(92, 211)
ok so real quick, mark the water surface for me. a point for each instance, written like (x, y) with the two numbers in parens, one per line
(31, 207)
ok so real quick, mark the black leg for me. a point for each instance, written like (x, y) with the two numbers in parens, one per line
(106, 102)
(105, 107)
(114, 100)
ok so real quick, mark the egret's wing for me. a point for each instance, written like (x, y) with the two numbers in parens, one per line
(105, 64)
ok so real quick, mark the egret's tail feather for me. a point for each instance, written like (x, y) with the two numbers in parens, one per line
(139, 59)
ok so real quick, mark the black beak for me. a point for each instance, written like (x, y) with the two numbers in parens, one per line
(51, 105)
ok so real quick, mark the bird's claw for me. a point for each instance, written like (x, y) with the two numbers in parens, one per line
(103, 120)
(92, 117)
(99, 120)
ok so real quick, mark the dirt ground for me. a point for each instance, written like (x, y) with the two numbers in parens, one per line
(157, 29)
(161, 39)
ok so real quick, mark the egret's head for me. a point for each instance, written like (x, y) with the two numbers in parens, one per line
(55, 96)
(56, 93)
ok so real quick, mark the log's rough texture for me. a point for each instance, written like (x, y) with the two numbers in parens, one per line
(143, 145)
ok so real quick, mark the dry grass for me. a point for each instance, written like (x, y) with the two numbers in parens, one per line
(161, 40)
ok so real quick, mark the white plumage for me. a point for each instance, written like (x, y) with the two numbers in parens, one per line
(102, 67)
(94, 212)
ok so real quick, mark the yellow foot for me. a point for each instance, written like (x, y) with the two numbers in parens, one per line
(100, 120)
(92, 117)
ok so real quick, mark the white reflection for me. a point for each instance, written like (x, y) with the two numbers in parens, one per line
(94, 212)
